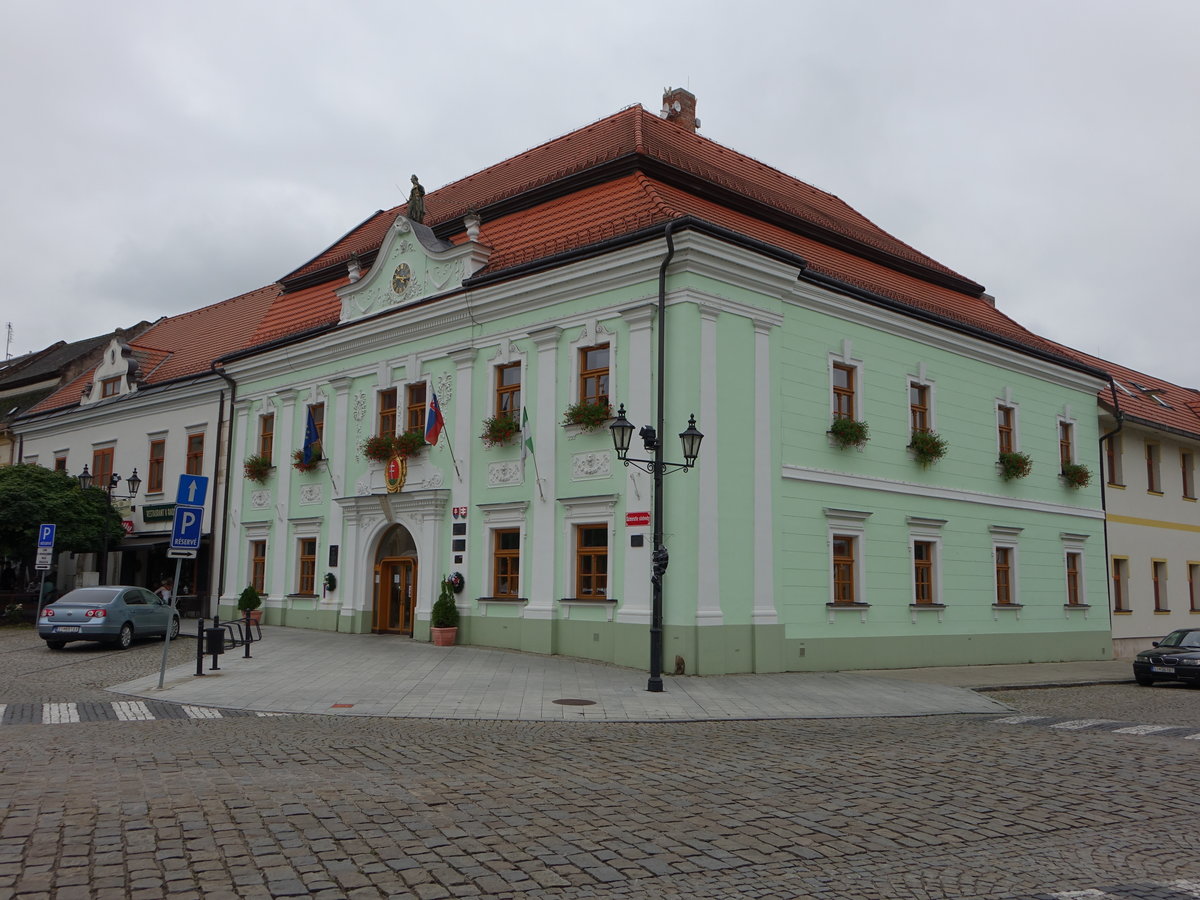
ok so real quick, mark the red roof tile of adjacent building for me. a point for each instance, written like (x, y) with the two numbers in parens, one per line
(1146, 398)
(184, 345)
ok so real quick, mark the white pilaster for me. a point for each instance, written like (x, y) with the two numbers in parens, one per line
(545, 447)
(638, 492)
(708, 595)
(765, 612)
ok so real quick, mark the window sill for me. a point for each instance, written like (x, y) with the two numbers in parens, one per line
(1189, 499)
(301, 596)
(1119, 487)
(916, 606)
(1162, 612)
(1077, 606)
(608, 604)
(857, 604)
(573, 431)
(1007, 605)
(1122, 612)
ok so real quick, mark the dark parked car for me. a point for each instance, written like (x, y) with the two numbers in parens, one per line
(1175, 658)
(114, 614)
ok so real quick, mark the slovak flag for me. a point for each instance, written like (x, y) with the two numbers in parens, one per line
(434, 423)
(312, 440)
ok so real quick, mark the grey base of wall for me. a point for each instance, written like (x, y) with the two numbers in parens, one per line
(729, 649)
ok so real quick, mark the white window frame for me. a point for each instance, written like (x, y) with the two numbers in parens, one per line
(1016, 423)
(845, 359)
(504, 516)
(1074, 543)
(506, 354)
(1060, 421)
(594, 510)
(1008, 537)
(592, 334)
(928, 531)
(301, 529)
(852, 523)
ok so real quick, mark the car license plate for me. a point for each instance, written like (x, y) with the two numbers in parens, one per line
(67, 629)
(1166, 670)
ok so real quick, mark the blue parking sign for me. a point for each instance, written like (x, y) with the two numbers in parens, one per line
(46, 535)
(185, 530)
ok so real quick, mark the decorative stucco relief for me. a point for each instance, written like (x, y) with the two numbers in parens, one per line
(586, 466)
(362, 487)
(310, 494)
(260, 499)
(443, 386)
(501, 474)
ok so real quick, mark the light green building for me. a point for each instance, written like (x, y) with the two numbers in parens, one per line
(532, 289)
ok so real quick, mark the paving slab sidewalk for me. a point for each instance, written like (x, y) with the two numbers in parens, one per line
(297, 671)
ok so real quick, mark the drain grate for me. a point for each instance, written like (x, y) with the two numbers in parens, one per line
(574, 701)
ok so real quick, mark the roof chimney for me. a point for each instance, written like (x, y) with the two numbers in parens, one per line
(679, 107)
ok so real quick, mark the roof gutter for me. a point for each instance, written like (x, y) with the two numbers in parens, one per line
(895, 305)
(1120, 417)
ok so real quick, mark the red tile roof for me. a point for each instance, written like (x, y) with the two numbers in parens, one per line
(183, 345)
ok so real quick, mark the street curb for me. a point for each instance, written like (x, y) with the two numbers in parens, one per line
(1049, 684)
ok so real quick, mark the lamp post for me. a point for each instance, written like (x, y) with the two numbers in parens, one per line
(690, 438)
(132, 483)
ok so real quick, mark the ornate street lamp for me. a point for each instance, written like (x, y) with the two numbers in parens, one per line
(86, 479)
(622, 432)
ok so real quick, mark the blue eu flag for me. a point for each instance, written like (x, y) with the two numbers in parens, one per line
(312, 440)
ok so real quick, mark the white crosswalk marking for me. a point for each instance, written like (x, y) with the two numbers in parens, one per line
(1020, 720)
(132, 711)
(270, 714)
(1185, 887)
(1192, 737)
(202, 712)
(1079, 895)
(3, 707)
(59, 713)
(1075, 725)
(1143, 729)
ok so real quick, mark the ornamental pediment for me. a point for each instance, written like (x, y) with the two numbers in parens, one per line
(412, 264)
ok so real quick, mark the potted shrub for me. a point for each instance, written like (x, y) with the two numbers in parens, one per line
(248, 604)
(849, 432)
(257, 468)
(300, 465)
(1015, 465)
(587, 415)
(499, 429)
(1077, 475)
(377, 447)
(927, 446)
(443, 619)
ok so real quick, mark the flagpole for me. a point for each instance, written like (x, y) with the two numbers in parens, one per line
(450, 446)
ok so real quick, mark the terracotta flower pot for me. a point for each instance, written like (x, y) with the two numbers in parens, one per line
(444, 637)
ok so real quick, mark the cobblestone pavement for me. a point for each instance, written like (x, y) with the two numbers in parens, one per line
(834, 809)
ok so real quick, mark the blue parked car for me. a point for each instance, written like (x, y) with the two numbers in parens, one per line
(112, 614)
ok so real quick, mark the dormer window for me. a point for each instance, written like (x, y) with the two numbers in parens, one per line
(110, 387)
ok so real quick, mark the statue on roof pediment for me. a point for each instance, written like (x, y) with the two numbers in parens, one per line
(413, 263)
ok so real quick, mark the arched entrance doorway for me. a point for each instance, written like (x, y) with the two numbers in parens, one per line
(395, 582)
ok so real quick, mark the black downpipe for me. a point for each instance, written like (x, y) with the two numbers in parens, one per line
(1120, 417)
(228, 479)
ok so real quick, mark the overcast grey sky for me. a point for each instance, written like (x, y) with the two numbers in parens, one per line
(163, 156)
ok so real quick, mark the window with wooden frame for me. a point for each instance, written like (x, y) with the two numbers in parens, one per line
(110, 387)
(386, 419)
(844, 391)
(317, 410)
(593, 374)
(102, 467)
(60, 464)
(415, 406)
(306, 570)
(1158, 575)
(1004, 575)
(258, 566)
(1074, 576)
(508, 391)
(918, 406)
(158, 460)
(1187, 472)
(1006, 428)
(1153, 469)
(1120, 584)
(1066, 444)
(1193, 587)
(506, 562)
(266, 436)
(194, 459)
(845, 589)
(591, 562)
(1112, 459)
(923, 552)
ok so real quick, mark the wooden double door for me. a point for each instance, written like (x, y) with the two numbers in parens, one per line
(395, 595)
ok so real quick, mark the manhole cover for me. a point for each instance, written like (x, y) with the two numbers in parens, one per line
(574, 701)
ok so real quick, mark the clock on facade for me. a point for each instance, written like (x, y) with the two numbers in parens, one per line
(401, 277)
